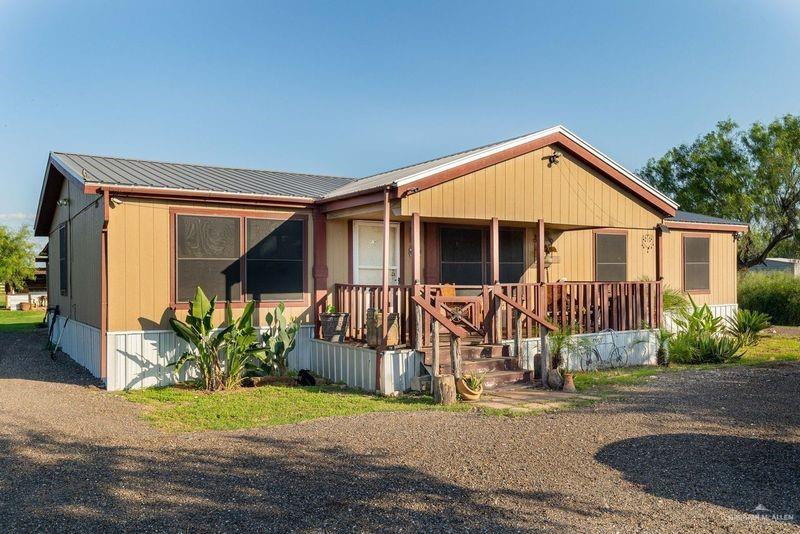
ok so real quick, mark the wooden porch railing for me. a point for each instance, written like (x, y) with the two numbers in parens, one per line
(589, 306)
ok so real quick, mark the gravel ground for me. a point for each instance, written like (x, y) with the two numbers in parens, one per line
(694, 451)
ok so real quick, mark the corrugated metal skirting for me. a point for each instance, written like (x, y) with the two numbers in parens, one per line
(80, 341)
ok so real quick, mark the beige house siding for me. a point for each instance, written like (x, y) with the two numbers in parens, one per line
(526, 189)
(723, 276)
(83, 215)
(139, 259)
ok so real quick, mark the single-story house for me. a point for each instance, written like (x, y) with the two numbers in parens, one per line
(34, 294)
(489, 244)
(790, 266)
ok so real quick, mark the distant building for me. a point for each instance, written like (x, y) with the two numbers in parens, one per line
(35, 292)
(782, 265)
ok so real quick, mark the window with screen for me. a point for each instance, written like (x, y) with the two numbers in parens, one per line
(275, 259)
(696, 264)
(63, 260)
(461, 256)
(611, 252)
(208, 251)
(512, 256)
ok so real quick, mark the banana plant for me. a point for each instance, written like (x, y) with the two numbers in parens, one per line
(205, 345)
(241, 343)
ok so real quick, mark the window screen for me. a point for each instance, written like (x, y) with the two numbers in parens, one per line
(512, 256)
(611, 252)
(63, 260)
(275, 266)
(696, 263)
(208, 252)
(462, 256)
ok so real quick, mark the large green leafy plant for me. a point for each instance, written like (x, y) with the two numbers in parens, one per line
(703, 338)
(278, 341)
(241, 343)
(204, 342)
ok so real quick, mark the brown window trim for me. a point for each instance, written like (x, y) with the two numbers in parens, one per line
(608, 231)
(242, 215)
(684, 235)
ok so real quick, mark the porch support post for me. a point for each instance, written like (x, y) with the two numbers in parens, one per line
(320, 270)
(540, 252)
(659, 253)
(385, 279)
(416, 275)
(494, 245)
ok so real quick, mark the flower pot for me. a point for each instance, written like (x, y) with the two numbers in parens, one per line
(375, 332)
(24, 306)
(466, 393)
(569, 383)
(334, 326)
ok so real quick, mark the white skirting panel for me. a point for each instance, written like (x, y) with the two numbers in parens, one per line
(398, 367)
(718, 310)
(79, 341)
(141, 359)
(641, 346)
(354, 366)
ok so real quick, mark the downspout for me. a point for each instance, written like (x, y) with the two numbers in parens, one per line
(104, 290)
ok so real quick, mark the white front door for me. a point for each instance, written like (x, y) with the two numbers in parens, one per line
(368, 252)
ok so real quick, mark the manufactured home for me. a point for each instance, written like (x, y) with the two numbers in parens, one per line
(487, 245)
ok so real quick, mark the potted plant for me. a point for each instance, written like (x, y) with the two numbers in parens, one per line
(471, 386)
(334, 325)
(560, 342)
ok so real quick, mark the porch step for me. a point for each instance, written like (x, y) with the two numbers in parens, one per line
(503, 378)
(468, 352)
(482, 365)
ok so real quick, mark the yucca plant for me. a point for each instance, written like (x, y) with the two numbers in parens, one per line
(560, 341)
(674, 301)
(205, 345)
(663, 338)
(746, 325)
(474, 381)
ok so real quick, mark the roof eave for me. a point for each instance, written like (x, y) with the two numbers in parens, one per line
(707, 226)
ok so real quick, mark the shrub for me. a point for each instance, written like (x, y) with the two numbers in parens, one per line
(560, 341)
(746, 325)
(674, 301)
(703, 338)
(278, 341)
(776, 294)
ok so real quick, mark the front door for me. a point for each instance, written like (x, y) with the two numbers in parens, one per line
(368, 252)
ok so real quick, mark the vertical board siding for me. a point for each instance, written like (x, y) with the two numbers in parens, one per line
(525, 189)
(79, 341)
(722, 276)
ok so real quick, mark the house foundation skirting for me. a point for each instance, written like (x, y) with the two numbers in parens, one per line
(718, 310)
(78, 340)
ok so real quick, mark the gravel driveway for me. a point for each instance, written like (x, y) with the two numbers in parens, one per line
(692, 451)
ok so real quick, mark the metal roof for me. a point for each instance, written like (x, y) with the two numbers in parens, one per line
(411, 173)
(688, 216)
(157, 174)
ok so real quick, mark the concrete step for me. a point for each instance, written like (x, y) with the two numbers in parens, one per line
(504, 378)
(482, 365)
(468, 352)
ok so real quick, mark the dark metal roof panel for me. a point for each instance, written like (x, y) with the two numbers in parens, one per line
(144, 173)
(690, 217)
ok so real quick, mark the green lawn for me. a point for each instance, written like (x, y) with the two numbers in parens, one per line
(769, 349)
(19, 321)
(180, 409)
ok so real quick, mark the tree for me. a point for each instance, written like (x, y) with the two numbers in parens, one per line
(17, 257)
(749, 175)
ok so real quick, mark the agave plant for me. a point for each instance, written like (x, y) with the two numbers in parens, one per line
(205, 344)
(746, 325)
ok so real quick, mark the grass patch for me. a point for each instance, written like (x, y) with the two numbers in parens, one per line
(20, 321)
(179, 409)
(769, 349)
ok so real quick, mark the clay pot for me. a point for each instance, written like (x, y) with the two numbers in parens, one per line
(334, 326)
(569, 383)
(466, 393)
(24, 306)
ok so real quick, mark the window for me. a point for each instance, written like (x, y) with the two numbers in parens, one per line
(512, 256)
(696, 263)
(610, 253)
(234, 257)
(275, 259)
(208, 251)
(63, 260)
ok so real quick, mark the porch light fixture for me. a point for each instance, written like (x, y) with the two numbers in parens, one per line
(62, 202)
(552, 159)
(115, 201)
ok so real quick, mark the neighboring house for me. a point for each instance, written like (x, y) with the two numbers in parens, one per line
(34, 293)
(779, 265)
(571, 236)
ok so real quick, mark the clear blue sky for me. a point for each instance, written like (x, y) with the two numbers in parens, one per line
(352, 88)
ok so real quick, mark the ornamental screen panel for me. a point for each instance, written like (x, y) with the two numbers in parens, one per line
(696, 264)
(611, 253)
(208, 255)
(275, 259)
